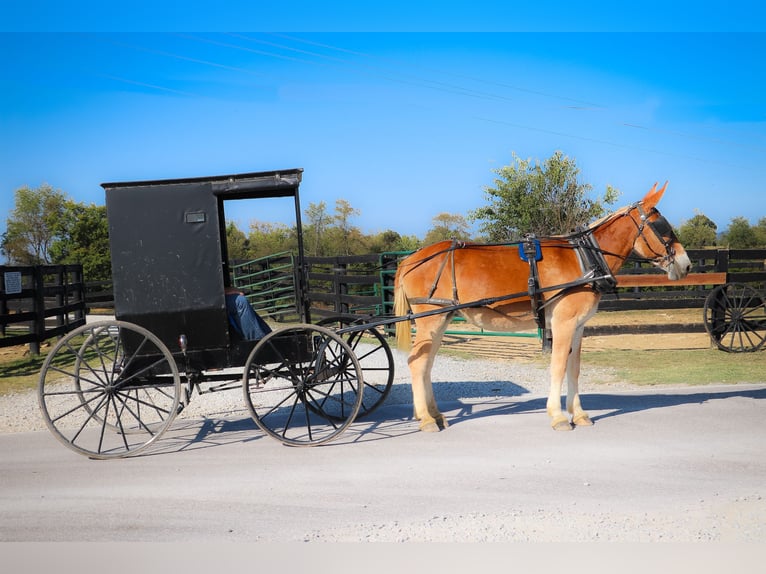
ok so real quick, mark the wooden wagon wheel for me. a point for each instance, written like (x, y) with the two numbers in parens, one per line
(303, 385)
(374, 356)
(109, 389)
(735, 318)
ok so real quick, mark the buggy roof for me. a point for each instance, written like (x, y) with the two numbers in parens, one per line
(280, 183)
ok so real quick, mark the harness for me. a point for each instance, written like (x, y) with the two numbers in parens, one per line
(595, 272)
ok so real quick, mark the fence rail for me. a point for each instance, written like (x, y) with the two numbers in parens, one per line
(54, 298)
(40, 302)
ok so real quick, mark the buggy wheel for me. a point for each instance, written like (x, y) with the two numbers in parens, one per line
(374, 355)
(735, 318)
(303, 385)
(109, 389)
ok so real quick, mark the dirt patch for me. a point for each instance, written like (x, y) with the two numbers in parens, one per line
(14, 353)
(529, 346)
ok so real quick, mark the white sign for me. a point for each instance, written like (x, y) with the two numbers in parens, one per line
(12, 282)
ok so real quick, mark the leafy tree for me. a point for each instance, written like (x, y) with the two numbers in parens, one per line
(739, 234)
(317, 221)
(447, 226)
(541, 198)
(237, 243)
(760, 232)
(37, 220)
(698, 232)
(408, 243)
(391, 241)
(84, 240)
(348, 238)
(270, 238)
(385, 241)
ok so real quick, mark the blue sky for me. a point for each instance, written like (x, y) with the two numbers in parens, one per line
(405, 117)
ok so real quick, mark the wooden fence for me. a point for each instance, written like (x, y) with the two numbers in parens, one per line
(363, 284)
(39, 302)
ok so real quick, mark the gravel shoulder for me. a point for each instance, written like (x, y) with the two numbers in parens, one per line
(454, 378)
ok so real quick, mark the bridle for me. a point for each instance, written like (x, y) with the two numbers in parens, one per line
(661, 228)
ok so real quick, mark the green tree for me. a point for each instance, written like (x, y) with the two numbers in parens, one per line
(447, 226)
(317, 221)
(698, 232)
(385, 241)
(237, 243)
(37, 220)
(270, 238)
(760, 232)
(739, 234)
(541, 198)
(85, 240)
(348, 239)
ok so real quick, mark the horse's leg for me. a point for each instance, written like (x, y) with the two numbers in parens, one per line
(563, 331)
(574, 408)
(430, 331)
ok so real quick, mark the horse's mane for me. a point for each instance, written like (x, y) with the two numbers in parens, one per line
(602, 220)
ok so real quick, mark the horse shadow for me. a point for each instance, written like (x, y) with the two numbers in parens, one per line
(606, 405)
(396, 420)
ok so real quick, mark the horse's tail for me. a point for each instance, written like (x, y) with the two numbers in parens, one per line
(401, 307)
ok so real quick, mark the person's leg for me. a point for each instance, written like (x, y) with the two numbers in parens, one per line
(252, 325)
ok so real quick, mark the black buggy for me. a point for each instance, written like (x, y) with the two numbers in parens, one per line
(112, 388)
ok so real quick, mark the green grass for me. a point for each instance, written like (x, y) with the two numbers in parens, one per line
(681, 367)
(20, 375)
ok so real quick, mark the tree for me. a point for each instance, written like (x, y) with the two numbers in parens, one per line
(36, 221)
(349, 238)
(447, 226)
(541, 198)
(760, 232)
(237, 243)
(698, 232)
(85, 240)
(317, 220)
(385, 241)
(739, 234)
(270, 238)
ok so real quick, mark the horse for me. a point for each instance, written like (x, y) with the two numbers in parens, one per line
(551, 282)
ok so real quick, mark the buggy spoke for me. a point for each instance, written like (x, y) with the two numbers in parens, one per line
(109, 389)
(296, 385)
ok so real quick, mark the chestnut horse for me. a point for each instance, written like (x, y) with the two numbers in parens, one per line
(558, 285)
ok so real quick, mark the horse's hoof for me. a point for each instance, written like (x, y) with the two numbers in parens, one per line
(442, 422)
(561, 424)
(429, 426)
(582, 420)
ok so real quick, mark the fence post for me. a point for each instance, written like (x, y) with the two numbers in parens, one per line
(722, 262)
(61, 296)
(3, 311)
(38, 307)
(79, 279)
(340, 287)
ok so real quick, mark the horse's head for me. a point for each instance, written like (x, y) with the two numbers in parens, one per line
(656, 240)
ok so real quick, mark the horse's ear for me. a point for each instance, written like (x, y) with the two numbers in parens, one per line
(654, 195)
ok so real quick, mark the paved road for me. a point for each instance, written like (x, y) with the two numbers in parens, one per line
(683, 464)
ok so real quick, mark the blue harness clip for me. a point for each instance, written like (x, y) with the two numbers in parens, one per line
(527, 244)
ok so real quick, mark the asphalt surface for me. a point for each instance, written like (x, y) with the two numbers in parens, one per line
(679, 465)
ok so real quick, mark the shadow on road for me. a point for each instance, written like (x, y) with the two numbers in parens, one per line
(614, 404)
(395, 420)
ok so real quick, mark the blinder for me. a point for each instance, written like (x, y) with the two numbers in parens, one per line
(661, 228)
